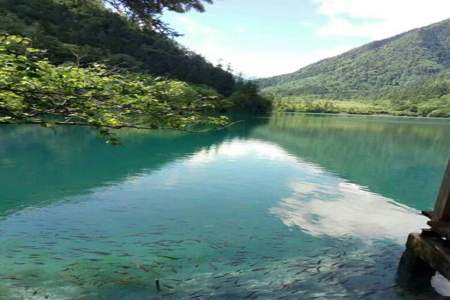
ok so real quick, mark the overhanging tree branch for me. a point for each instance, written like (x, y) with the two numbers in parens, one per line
(148, 12)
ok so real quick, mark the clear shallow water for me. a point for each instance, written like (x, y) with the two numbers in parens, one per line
(295, 206)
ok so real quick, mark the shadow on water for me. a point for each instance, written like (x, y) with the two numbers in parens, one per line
(387, 155)
(40, 165)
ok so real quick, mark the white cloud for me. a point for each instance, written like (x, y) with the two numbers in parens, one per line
(378, 19)
(217, 46)
(214, 46)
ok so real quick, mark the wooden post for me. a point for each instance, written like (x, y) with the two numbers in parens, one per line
(441, 211)
(414, 272)
(440, 217)
(429, 251)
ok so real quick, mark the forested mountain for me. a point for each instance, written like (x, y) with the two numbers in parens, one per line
(85, 32)
(414, 64)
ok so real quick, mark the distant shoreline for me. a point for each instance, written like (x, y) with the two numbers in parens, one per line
(344, 114)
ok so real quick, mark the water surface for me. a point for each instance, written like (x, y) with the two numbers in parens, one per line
(287, 207)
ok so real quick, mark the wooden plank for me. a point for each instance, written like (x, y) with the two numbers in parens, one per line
(434, 251)
(441, 228)
(428, 214)
(441, 211)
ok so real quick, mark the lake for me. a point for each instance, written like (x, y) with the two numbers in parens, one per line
(288, 207)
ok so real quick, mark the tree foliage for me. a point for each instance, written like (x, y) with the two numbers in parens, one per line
(247, 98)
(85, 32)
(101, 69)
(148, 12)
(34, 90)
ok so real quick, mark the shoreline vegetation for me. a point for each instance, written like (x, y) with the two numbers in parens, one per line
(344, 114)
(33, 90)
(425, 109)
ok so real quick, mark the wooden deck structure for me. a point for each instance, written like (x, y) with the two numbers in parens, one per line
(429, 251)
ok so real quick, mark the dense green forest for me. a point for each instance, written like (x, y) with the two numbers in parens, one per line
(407, 74)
(79, 62)
(85, 32)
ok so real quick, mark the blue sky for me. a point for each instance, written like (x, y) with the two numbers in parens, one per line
(262, 38)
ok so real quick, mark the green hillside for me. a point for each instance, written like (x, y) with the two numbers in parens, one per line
(85, 32)
(388, 69)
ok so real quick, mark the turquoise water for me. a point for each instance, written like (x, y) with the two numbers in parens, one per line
(287, 207)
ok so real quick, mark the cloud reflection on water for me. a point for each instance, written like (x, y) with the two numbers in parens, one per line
(321, 202)
(340, 209)
(237, 149)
